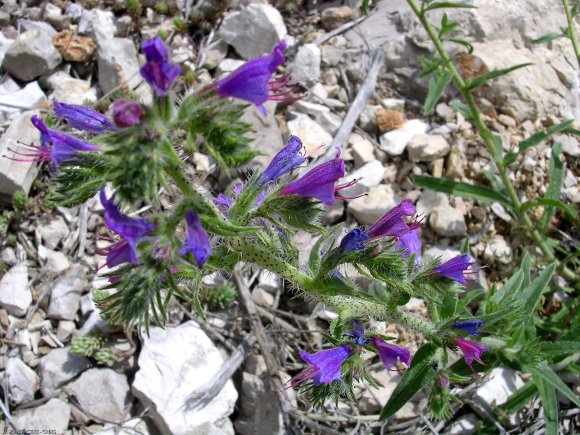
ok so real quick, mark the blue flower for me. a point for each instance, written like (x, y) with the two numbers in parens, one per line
(319, 182)
(158, 71)
(358, 333)
(196, 240)
(56, 146)
(391, 223)
(455, 268)
(325, 366)
(410, 243)
(83, 118)
(133, 231)
(389, 353)
(354, 241)
(252, 82)
(285, 161)
(470, 326)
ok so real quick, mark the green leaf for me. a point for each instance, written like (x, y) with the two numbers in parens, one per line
(460, 107)
(547, 38)
(532, 295)
(548, 395)
(544, 371)
(461, 189)
(555, 181)
(449, 5)
(520, 398)
(559, 348)
(419, 375)
(497, 143)
(474, 84)
(365, 7)
(536, 139)
(547, 202)
(463, 42)
(512, 286)
(439, 81)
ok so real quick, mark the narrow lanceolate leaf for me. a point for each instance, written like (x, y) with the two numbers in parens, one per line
(520, 398)
(511, 287)
(497, 143)
(559, 348)
(544, 371)
(449, 5)
(555, 181)
(532, 295)
(439, 81)
(474, 84)
(461, 189)
(569, 211)
(419, 375)
(536, 139)
(550, 404)
(547, 38)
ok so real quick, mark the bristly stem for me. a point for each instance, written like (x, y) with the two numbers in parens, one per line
(488, 140)
(572, 30)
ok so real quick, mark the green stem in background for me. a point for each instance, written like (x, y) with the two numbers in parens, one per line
(355, 306)
(572, 30)
(488, 140)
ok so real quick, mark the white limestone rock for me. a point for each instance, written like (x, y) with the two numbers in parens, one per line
(54, 415)
(367, 209)
(66, 293)
(498, 250)
(174, 363)
(369, 175)
(363, 150)
(253, 31)
(58, 367)
(114, 54)
(71, 91)
(53, 232)
(310, 132)
(395, 141)
(21, 380)
(500, 384)
(448, 221)
(306, 65)
(31, 55)
(15, 295)
(427, 147)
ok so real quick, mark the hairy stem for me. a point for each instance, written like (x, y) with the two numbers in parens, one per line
(356, 307)
(488, 140)
(572, 30)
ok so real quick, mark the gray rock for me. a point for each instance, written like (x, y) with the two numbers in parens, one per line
(66, 293)
(21, 380)
(500, 384)
(363, 150)
(71, 91)
(13, 102)
(269, 281)
(429, 200)
(427, 147)
(498, 250)
(329, 121)
(395, 141)
(367, 209)
(369, 175)
(444, 252)
(5, 44)
(180, 360)
(31, 55)
(54, 232)
(65, 330)
(117, 53)
(58, 367)
(51, 11)
(312, 109)
(258, 419)
(570, 145)
(216, 52)
(262, 297)
(448, 221)
(75, 11)
(53, 261)
(310, 132)
(253, 31)
(54, 415)
(4, 18)
(41, 26)
(267, 137)
(135, 426)
(15, 295)
(306, 65)
(226, 66)
(393, 104)
(103, 392)
(464, 425)
(99, 25)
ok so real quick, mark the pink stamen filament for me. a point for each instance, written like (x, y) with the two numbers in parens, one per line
(303, 376)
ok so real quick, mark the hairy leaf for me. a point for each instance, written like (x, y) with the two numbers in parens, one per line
(474, 84)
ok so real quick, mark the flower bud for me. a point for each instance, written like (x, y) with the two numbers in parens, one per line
(127, 113)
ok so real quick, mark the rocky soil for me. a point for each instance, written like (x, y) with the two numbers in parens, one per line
(82, 53)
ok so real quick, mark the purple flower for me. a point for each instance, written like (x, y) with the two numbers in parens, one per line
(158, 71)
(325, 366)
(56, 146)
(455, 268)
(319, 182)
(83, 118)
(358, 333)
(389, 353)
(252, 82)
(471, 350)
(470, 326)
(392, 223)
(127, 113)
(223, 203)
(116, 253)
(285, 161)
(133, 231)
(444, 381)
(410, 243)
(196, 241)
(354, 241)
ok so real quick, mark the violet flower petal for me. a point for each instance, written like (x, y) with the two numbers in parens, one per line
(454, 268)
(285, 161)
(389, 353)
(471, 350)
(391, 223)
(196, 240)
